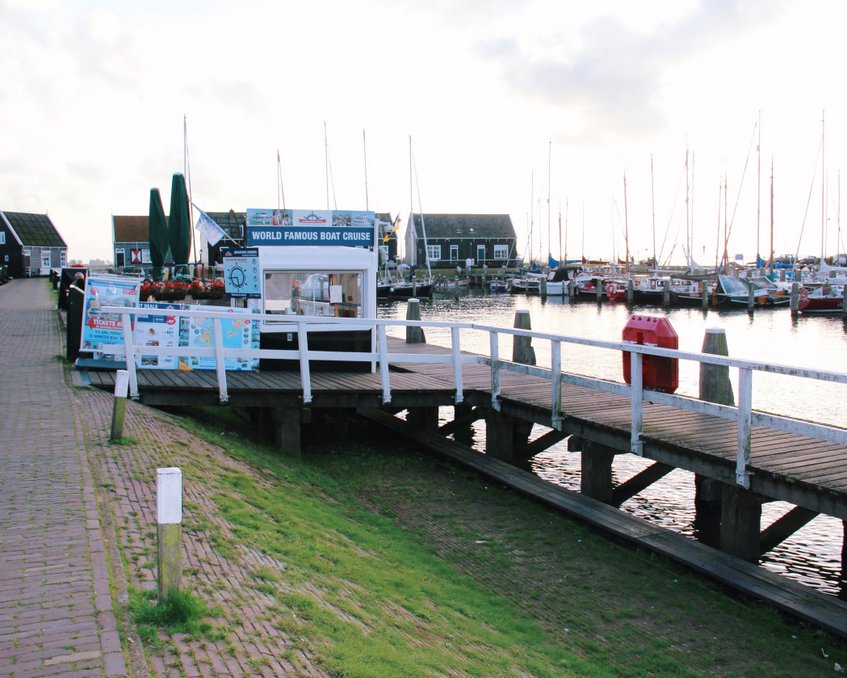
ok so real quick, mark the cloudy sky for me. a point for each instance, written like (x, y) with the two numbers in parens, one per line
(94, 97)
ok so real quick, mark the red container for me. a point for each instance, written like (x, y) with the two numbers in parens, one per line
(658, 374)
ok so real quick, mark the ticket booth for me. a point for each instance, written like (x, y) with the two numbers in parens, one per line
(333, 276)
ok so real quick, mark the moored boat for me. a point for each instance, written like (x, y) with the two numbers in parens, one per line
(823, 299)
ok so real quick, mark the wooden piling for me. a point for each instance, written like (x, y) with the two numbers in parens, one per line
(750, 297)
(630, 291)
(666, 293)
(704, 299)
(598, 290)
(522, 350)
(715, 387)
(414, 335)
(844, 302)
(794, 300)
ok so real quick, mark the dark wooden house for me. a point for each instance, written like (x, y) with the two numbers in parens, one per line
(449, 240)
(30, 245)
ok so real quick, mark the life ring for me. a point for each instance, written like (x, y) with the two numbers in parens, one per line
(611, 288)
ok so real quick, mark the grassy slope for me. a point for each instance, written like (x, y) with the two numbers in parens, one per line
(398, 565)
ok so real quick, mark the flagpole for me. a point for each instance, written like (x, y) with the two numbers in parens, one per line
(187, 172)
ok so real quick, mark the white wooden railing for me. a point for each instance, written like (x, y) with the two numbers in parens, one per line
(380, 359)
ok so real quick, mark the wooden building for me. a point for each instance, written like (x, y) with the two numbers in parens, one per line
(131, 244)
(448, 240)
(30, 245)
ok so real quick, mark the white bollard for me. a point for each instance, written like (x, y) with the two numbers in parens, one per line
(169, 519)
(119, 406)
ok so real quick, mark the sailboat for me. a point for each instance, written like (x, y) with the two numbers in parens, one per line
(405, 283)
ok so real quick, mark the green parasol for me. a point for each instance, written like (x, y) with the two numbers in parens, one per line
(179, 224)
(157, 233)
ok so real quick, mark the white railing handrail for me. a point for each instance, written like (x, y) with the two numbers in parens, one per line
(381, 358)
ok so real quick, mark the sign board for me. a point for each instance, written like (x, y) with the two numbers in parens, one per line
(156, 330)
(100, 331)
(240, 332)
(339, 228)
(241, 272)
(135, 256)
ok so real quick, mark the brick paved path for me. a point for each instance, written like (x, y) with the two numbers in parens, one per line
(55, 610)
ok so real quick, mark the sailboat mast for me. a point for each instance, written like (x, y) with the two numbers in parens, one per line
(653, 208)
(280, 194)
(326, 164)
(625, 222)
(758, 185)
(823, 186)
(565, 257)
(549, 241)
(365, 149)
(770, 255)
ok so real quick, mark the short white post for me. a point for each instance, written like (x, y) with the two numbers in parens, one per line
(119, 405)
(169, 519)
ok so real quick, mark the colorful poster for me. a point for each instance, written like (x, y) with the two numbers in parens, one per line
(345, 228)
(240, 332)
(241, 271)
(156, 330)
(102, 330)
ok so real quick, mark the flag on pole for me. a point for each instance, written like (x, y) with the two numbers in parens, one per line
(387, 236)
(209, 229)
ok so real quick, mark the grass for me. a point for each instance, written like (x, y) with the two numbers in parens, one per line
(180, 612)
(397, 565)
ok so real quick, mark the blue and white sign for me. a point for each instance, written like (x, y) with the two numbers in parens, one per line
(339, 228)
(241, 272)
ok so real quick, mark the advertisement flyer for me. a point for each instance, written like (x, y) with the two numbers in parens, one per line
(100, 331)
(156, 330)
(240, 332)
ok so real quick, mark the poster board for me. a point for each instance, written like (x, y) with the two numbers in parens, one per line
(240, 332)
(156, 330)
(101, 332)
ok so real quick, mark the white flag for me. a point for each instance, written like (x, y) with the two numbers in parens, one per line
(209, 229)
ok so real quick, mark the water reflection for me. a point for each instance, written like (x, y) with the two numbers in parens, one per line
(813, 554)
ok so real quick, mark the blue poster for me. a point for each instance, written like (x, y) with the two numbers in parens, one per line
(101, 330)
(240, 332)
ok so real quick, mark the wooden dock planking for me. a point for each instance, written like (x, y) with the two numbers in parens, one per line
(783, 457)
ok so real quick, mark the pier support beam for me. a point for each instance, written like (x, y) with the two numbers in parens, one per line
(741, 518)
(423, 417)
(522, 350)
(287, 430)
(463, 433)
(707, 510)
(794, 300)
(506, 438)
(596, 471)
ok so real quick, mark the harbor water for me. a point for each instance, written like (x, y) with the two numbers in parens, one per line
(812, 555)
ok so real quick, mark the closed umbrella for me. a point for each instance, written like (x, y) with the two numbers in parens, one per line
(157, 233)
(179, 224)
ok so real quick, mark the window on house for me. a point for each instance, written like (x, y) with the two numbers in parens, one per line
(433, 252)
(45, 260)
(480, 253)
(454, 253)
(63, 258)
(501, 251)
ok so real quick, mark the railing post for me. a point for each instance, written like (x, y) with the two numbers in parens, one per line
(382, 343)
(556, 385)
(130, 356)
(305, 377)
(457, 364)
(636, 409)
(220, 361)
(494, 339)
(745, 426)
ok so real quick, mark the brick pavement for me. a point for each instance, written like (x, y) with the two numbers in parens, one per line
(57, 466)
(56, 614)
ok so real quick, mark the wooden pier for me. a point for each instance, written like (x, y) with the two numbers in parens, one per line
(806, 470)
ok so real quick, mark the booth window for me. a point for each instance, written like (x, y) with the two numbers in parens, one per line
(314, 293)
